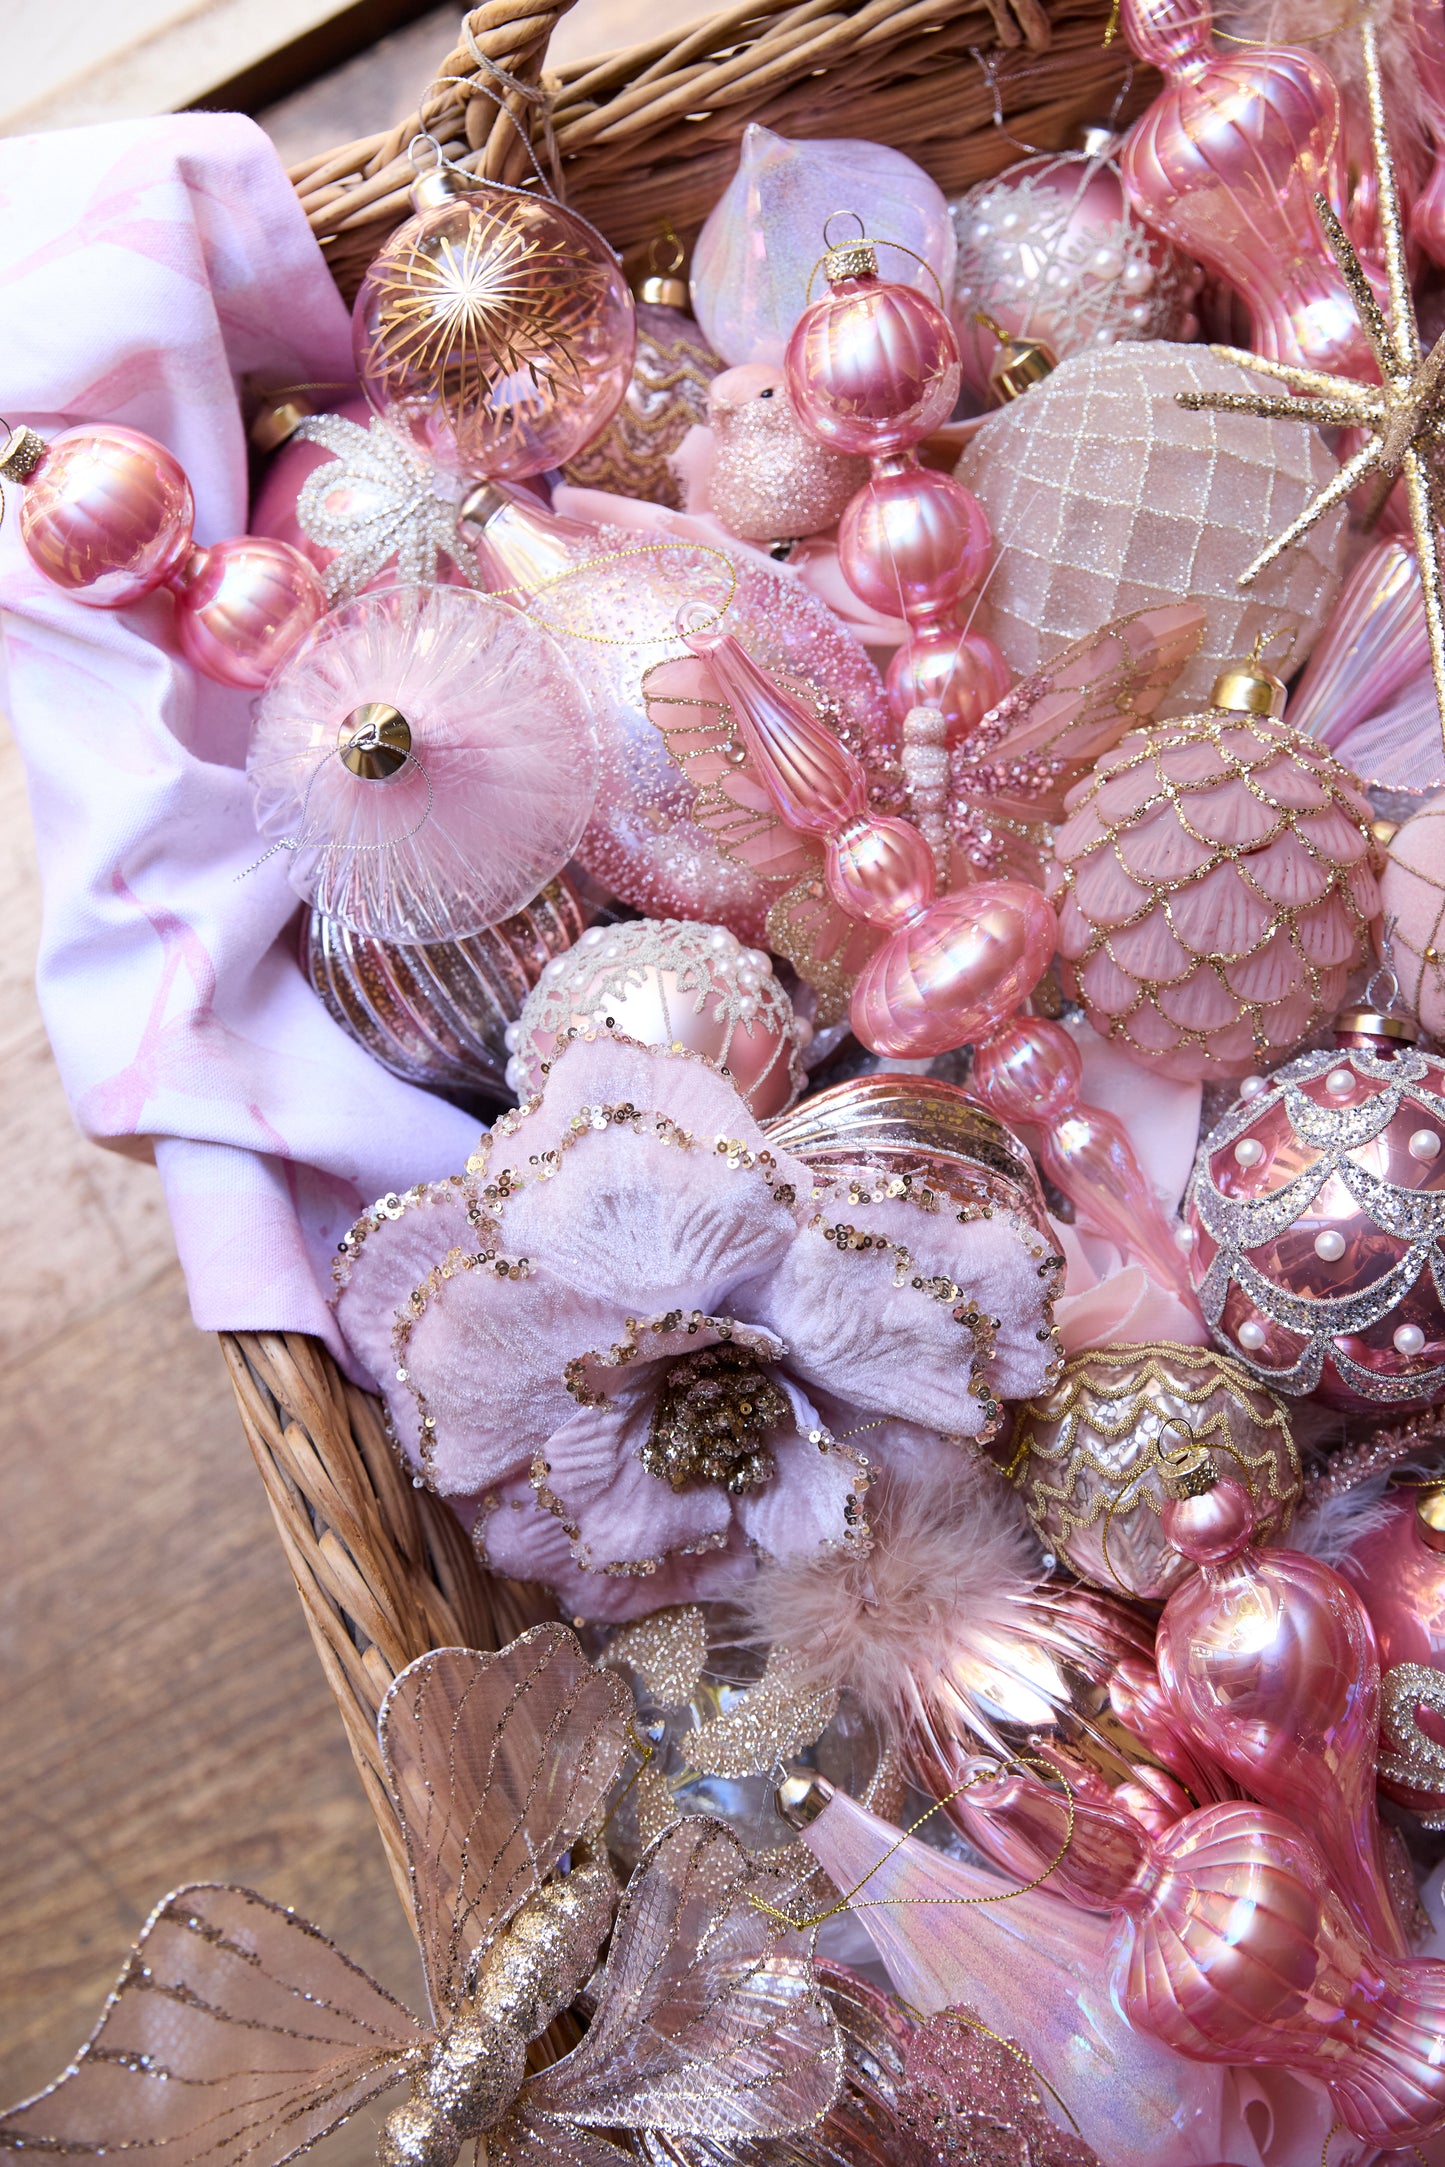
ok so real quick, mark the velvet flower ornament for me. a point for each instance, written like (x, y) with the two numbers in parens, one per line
(639, 1348)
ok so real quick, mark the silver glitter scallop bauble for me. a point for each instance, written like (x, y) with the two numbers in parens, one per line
(438, 1014)
(1104, 496)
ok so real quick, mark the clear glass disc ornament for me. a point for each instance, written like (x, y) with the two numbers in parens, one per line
(464, 810)
(495, 331)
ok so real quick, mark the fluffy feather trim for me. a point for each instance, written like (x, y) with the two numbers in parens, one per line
(951, 1563)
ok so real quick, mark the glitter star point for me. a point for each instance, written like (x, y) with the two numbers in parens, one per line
(1400, 419)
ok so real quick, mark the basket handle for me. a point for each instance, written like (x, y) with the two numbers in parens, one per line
(488, 96)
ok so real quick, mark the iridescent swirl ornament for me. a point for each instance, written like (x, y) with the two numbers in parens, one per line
(428, 761)
(1107, 497)
(1317, 1207)
(1050, 252)
(238, 2031)
(495, 328)
(1092, 1457)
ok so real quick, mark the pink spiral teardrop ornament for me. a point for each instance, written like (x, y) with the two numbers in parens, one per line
(1269, 1661)
(952, 966)
(1227, 162)
(872, 367)
(1232, 1945)
(1374, 644)
(495, 329)
(1030, 1071)
(108, 514)
(1425, 22)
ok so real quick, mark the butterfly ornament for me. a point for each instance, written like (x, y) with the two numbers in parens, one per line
(238, 2033)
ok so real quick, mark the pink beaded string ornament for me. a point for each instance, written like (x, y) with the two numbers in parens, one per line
(108, 516)
(872, 368)
(1228, 161)
(949, 967)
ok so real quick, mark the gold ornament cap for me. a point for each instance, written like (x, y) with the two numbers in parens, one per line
(665, 289)
(279, 419)
(21, 454)
(438, 185)
(374, 741)
(1376, 1023)
(1187, 1469)
(802, 1795)
(1248, 687)
(852, 259)
(1430, 1519)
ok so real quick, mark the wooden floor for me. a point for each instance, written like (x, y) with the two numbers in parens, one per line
(165, 1719)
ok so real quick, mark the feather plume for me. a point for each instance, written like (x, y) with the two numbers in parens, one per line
(1329, 1528)
(952, 1570)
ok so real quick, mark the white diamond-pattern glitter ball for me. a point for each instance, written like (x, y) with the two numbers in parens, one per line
(1104, 496)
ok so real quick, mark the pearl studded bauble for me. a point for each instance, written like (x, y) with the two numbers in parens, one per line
(1318, 1253)
(667, 982)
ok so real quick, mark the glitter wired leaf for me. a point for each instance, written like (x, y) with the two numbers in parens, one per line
(238, 2033)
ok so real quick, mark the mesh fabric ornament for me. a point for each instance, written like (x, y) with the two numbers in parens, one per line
(494, 329)
(1106, 496)
(427, 757)
(1051, 251)
(1214, 884)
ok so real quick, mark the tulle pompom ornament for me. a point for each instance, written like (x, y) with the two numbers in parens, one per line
(495, 329)
(428, 758)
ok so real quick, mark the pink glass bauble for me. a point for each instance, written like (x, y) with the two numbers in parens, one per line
(1374, 642)
(1269, 1661)
(1108, 496)
(1214, 885)
(242, 606)
(1089, 1460)
(666, 395)
(871, 366)
(961, 674)
(771, 481)
(912, 542)
(495, 330)
(106, 514)
(1030, 1071)
(1412, 895)
(436, 1012)
(1227, 162)
(1316, 1208)
(1425, 21)
(427, 758)
(613, 601)
(691, 987)
(951, 967)
(948, 976)
(1051, 250)
(1398, 1571)
(763, 236)
(1033, 1969)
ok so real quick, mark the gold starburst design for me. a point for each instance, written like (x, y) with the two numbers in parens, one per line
(482, 304)
(1402, 417)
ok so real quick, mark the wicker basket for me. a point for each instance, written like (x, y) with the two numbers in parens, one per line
(383, 1569)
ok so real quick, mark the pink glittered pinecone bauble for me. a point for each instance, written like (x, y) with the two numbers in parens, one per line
(1214, 885)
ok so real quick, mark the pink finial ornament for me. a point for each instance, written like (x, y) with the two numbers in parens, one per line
(950, 967)
(872, 368)
(1269, 1661)
(1227, 162)
(107, 515)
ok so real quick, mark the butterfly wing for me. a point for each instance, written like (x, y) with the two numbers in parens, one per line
(709, 2022)
(497, 1763)
(521, 2142)
(236, 2032)
(1030, 748)
(732, 804)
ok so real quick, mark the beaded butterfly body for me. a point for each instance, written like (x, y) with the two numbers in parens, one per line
(237, 2032)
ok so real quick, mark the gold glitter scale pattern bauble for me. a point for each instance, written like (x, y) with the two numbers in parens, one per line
(496, 331)
(1088, 1457)
(1105, 496)
(666, 396)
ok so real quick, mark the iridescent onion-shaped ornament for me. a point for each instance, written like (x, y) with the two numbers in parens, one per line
(691, 987)
(1215, 884)
(1373, 643)
(495, 328)
(436, 1012)
(762, 237)
(428, 759)
(1051, 253)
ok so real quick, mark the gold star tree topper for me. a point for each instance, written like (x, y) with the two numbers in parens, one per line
(1402, 418)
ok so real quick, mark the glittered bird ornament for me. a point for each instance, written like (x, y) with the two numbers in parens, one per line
(238, 2033)
(1401, 418)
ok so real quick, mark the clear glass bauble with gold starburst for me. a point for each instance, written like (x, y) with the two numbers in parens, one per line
(495, 329)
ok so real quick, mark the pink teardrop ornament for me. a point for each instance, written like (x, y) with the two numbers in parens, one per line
(106, 514)
(242, 606)
(1269, 1660)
